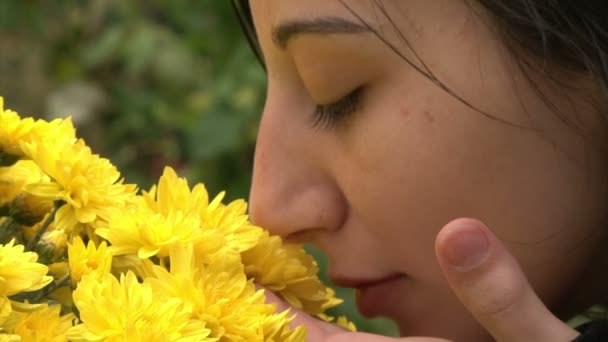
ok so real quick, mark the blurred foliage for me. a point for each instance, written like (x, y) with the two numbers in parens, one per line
(148, 83)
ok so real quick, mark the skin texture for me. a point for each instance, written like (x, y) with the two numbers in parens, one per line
(374, 191)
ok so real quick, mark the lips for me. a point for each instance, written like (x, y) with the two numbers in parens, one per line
(361, 283)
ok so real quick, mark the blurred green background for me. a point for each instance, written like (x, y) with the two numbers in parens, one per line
(148, 83)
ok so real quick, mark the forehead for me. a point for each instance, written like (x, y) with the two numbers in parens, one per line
(272, 10)
(411, 17)
(269, 14)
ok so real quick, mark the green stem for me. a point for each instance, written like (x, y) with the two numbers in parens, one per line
(10, 230)
(31, 245)
(52, 287)
(7, 223)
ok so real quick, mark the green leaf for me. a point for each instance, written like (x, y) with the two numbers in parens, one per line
(104, 48)
(215, 134)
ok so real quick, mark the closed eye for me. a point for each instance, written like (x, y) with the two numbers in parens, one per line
(328, 116)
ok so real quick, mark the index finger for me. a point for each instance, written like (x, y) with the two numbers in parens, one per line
(363, 337)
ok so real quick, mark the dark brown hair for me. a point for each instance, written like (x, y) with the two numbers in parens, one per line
(572, 34)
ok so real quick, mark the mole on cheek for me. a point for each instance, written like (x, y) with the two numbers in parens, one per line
(405, 114)
(429, 117)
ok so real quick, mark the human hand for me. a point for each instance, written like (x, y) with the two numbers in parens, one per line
(320, 331)
(486, 279)
(489, 282)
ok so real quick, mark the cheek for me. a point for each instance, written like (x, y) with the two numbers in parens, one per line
(397, 183)
(415, 166)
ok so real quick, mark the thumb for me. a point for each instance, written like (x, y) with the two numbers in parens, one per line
(491, 285)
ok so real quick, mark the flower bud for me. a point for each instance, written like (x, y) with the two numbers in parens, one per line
(28, 209)
(56, 241)
(45, 253)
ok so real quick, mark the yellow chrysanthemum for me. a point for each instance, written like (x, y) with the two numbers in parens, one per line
(174, 195)
(290, 272)
(5, 311)
(19, 271)
(13, 178)
(209, 253)
(276, 329)
(25, 171)
(222, 296)
(233, 222)
(41, 325)
(143, 268)
(90, 185)
(127, 310)
(85, 260)
(346, 324)
(146, 233)
(10, 338)
(15, 131)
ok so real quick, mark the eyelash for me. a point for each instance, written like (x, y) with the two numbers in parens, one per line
(330, 115)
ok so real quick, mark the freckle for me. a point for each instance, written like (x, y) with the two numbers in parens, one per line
(405, 113)
(440, 28)
(429, 116)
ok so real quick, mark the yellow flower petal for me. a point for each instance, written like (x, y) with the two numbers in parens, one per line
(19, 270)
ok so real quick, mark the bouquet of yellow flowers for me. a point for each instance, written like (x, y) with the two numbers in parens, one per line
(86, 257)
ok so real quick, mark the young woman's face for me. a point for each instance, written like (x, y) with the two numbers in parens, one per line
(372, 179)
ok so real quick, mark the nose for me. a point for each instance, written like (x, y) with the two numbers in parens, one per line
(293, 193)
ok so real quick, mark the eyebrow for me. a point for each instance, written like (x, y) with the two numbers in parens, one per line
(284, 32)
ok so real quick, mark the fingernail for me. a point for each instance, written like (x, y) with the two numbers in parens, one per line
(466, 249)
